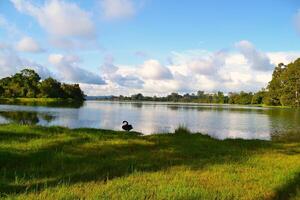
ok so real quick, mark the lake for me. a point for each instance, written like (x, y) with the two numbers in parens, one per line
(219, 121)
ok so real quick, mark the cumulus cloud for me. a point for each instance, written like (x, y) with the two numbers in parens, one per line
(28, 44)
(207, 64)
(152, 69)
(283, 57)
(59, 18)
(231, 73)
(123, 77)
(11, 62)
(117, 9)
(257, 60)
(68, 69)
(68, 25)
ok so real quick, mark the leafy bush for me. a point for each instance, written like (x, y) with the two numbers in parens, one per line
(182, 130)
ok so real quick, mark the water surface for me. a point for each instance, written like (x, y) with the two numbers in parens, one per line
(219, 121)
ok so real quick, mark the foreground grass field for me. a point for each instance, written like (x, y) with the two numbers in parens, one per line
(59, 163)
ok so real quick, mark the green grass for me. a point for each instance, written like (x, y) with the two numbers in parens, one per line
(60, 163)
(55, 102)
(32, 99)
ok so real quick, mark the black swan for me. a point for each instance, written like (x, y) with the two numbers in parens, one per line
(126, 126)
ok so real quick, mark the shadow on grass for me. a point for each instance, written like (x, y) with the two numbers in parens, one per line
(99, 155)
(289, 190)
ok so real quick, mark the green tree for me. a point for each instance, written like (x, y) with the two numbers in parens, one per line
(290, 92)
(221, 97)
(258, 97)
(275, 86)
(72, 91)
(30, 82)
(51, 88)
(1, 91)
(138, 97)
(174, 97)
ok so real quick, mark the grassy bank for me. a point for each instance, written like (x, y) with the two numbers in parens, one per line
(55, 102)
(59, 163)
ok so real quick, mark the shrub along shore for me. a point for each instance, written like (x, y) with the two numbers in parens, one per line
(59, 163)
(49, 102)
(28, 84)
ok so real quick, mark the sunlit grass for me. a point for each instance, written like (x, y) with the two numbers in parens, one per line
(59, 163)
(31, 99)
(55, 102)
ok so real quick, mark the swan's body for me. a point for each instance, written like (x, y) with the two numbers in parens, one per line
(126, 126)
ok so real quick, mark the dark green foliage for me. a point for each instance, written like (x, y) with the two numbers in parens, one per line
(28, 84)
(51, 88)
(201, 97)
(23, 84)
(1, 90)
(284, 88)
(72, 91)
(182, 130)
(258, 98)
(275, 86)
(241, 98)
(137, 97)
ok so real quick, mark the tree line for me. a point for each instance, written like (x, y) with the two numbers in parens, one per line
(282, 90)
(28, 84)
(199, 97)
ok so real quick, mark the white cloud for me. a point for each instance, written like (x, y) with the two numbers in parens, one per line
(68, 25)
(283, 57)
(28, 44)
(59, 18)
(117, 9)
(68, 70)
(257, 60)
(125, 77)
(233, 73)
(11, 62)
(207, 64)
(152, 69)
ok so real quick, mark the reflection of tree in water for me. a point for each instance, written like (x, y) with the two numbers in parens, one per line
(137, 105)
(30, 118)
(46, 117)
(172, 107)
(285, 124)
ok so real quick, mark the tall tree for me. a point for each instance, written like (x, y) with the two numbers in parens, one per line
(290, 92)
(275, 86)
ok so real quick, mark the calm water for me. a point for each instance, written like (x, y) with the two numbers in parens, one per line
(219, 121)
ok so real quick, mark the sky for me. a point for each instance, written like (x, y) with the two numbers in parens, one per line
(154, 47)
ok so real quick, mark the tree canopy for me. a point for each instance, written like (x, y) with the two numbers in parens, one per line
(284, 88)
(28, 84)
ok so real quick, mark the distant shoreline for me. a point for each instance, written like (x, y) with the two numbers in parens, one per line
(62, 102)
(188, 103)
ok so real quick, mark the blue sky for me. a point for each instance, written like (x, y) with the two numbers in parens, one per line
(128, 46)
